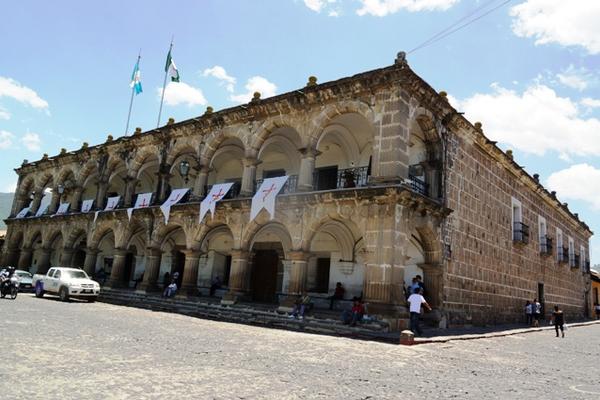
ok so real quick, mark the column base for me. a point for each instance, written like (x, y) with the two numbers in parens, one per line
(148, 287)
(188, 291)
(114, 284)
(231, 298)
(287, 304)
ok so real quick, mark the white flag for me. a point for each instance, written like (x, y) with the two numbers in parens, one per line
(44, 204)
(265, 196)
(22, 213)
(143, 200)
(63, 208)
(42, 210)
(111, 204)
(86, 205)
(174, 198)
(217, 192)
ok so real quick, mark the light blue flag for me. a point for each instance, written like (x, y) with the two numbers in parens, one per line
(136, 82)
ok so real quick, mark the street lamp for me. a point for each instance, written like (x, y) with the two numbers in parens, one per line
(61, 189)
(184, 170)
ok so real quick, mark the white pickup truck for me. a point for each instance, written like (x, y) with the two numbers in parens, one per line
(66, 283)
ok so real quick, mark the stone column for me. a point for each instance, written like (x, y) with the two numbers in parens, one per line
(11, 257)
(24, 262)
(89, 265)
(152, 263)
(189, 283)
(118, 267)
(433, 283)
(66, 257)
(43, 264)
(307, 169)
(54, 201)
(37, 200)
(239, 278)
(297, 278)
(128, 198)
(248, 176)
(164, 177)
(19, 199)
(200, 183)
(101, 195)
(76, 198)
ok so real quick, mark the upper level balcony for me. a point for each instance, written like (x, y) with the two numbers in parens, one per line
(563, 255)
(545, 245)
(520, 233)
(574, 260)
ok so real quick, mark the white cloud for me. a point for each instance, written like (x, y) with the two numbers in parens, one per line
(11, 187)
(219, 72)
(589, 102)
(535, 121)
(4, 114)
(574, 78)
(381, 8)
(177, 93)
(14, 90)
(32, 141)
(568, 23)
(319, 5)
(255, 84)
(574, 183)
(6, 140)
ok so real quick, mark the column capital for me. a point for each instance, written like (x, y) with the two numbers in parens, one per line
(192, 253)
(309, 152)
(298, 255)
(120, 252)
(153, 252)
(250, 161)
(91, 251)
(239, 254)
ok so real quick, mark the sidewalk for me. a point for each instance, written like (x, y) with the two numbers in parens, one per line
(446, 335)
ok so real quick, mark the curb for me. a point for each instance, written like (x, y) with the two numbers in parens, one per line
(445, 339)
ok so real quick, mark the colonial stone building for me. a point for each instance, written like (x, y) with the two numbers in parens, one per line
(386, 181)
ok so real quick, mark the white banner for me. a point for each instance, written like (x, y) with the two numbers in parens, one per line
(63, 208)
(265, 196)
(111, 204)
(22, 213)
(42, 210)
(44, 204)
(174, 198)
(86, 205)
(217, 192)
(143, 200)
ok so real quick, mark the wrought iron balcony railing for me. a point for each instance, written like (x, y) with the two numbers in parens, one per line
(291, 185)
(419, 185)
(545, 245)
(563, 255)
(574, 261)
(520, 233)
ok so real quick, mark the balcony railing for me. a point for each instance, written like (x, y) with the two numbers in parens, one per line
(545, 245)
(233, 193)
(587, 265)
(352, 177)
(291, 185)
(520, 233)
(563, 255)
(574, 261)
(418, 185)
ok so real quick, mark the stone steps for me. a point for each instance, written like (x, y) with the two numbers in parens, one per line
(251, 314)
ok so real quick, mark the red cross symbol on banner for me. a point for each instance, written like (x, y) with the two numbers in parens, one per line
(216, 196)
(268, 191)
(143, 202)
(175, 199)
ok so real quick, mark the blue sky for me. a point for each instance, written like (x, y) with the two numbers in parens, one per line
(529, 71)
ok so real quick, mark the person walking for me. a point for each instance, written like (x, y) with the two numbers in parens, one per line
(416, 301)
(529, 312)
(537, 312)
(559, 320)
(597, 309)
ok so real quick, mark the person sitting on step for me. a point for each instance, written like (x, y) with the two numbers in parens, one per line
(302, 303)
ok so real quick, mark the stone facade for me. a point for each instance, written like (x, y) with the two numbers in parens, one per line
(386, 181)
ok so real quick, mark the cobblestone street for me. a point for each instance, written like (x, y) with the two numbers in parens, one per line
(55, 350)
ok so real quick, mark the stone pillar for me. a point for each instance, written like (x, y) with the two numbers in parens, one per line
(239, 278)
(24, 262)
(152, 270)
(76, 198)
(189, 283)
(54, 202)
(11, 257)
(118, 268)
(66, 257)
(307, 169)
(37, 200)
(200, 183)
(164, 177)
(128, 198)
(248, 176)
(297, 278)
(89, 265)
(19, 199)
(433, 283)
(43, 264)
(101, 195)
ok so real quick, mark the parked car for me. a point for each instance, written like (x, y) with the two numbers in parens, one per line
(66, 283)
(25, 280)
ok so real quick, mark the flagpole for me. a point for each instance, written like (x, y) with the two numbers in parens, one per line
(162, 97)
(132, 94)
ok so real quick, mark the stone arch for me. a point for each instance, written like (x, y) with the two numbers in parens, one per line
(142, 156)
(71, 238)
(45, 180)
(23, 194)
(161, 233)
(210, 231)
(216, 139)
(432, 249)
(285, 145)
(345, 233)
(426, 121)
(277, 126)
(88, 169)
(98, 234)
(180, 149)
(30, 236)
(275, 228)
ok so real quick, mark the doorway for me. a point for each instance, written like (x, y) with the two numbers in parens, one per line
(177, 264)
(264, 276)
(541, 299)
(129, 268)
(327, 178)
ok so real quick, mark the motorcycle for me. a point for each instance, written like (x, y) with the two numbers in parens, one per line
(10, 288)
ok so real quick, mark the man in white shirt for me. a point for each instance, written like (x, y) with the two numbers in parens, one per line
(416, 300)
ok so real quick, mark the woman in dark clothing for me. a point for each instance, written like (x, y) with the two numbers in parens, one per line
(559, 320)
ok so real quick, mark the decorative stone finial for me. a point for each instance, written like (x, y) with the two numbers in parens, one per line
(444, 94)
(171, 121)
(312, 81)
(536, 178)
(553, 193)
(576, 215)
(109, 138)
(63, 151)
(256, 97)
(509, 153)
(25, 162)
(138, 131)
(209, 110)
(400, 58)
(45, 156)
(566, 205)
(478, 126)
(85, 145)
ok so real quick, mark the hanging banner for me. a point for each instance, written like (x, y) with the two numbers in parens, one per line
(86, 205)
(23, 213)
(63, 208)
(143, 200)
(111, 204)
(265, 196)
(42, 210)
(217, 192)
(174, 198)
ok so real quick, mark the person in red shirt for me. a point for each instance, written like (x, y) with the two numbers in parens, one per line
(338, 294)
(355, 314)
